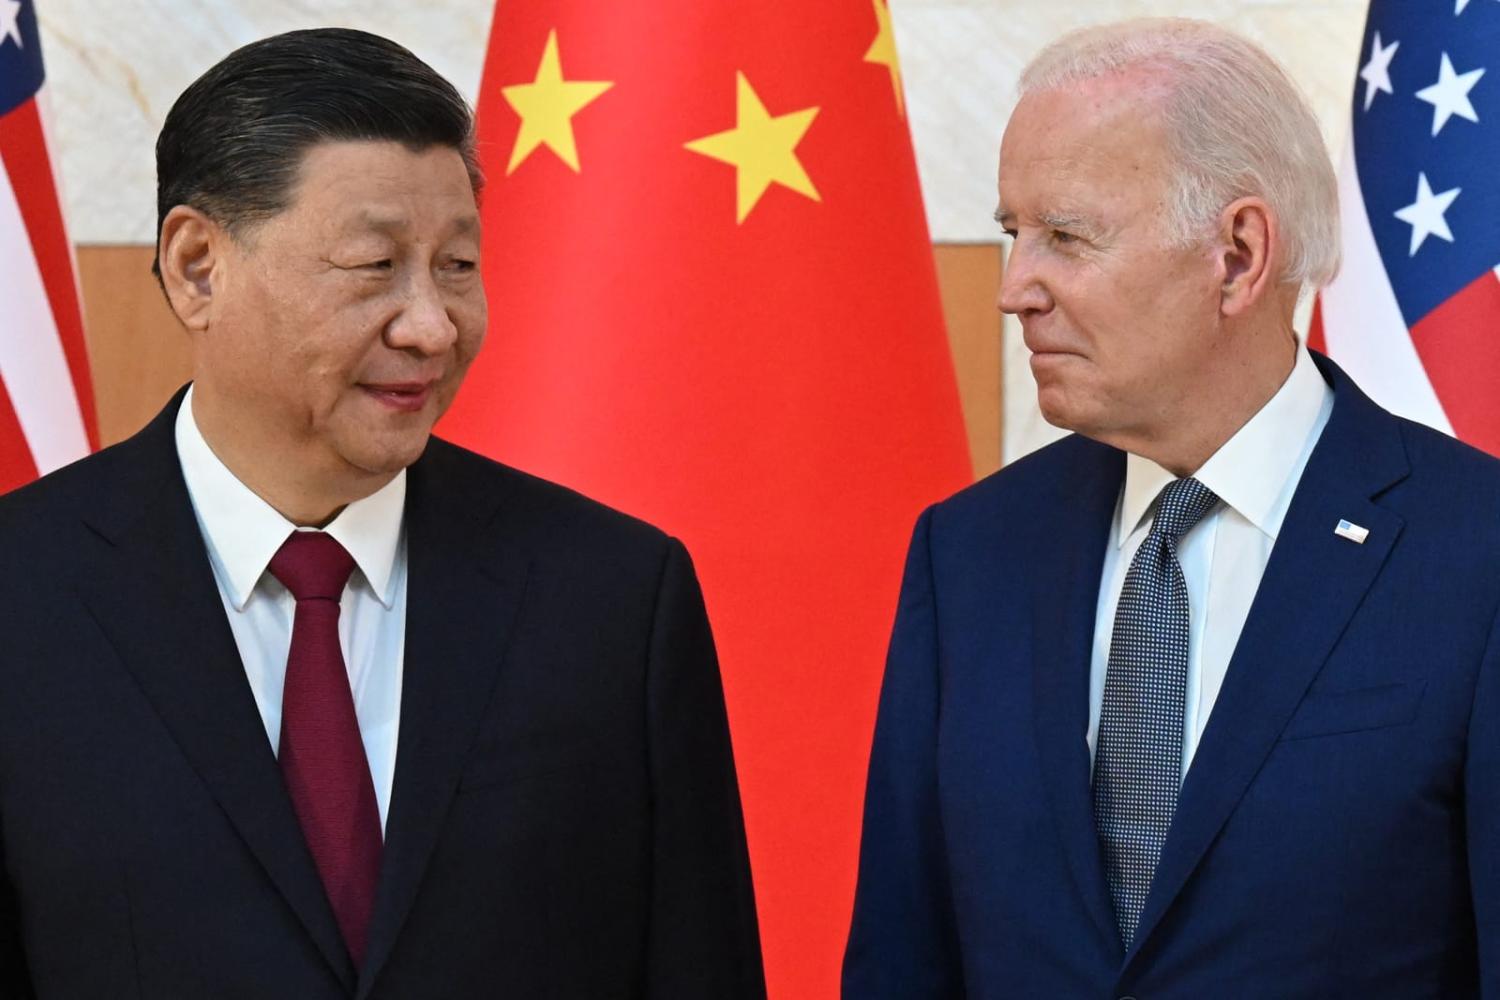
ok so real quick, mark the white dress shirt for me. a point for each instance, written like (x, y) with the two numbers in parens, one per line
(243, 532)
(1224, 556)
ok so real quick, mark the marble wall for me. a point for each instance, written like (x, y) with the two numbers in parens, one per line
(114, 69)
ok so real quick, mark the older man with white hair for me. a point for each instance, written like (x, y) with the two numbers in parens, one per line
(1203, 700)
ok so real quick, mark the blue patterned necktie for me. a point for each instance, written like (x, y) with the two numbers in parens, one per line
(1138, 759)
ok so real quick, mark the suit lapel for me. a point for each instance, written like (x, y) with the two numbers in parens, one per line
(1312, 586)
(465, 586)
(1064, 613)
(155, 598)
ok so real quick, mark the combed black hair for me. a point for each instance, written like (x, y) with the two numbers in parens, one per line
(232, 143)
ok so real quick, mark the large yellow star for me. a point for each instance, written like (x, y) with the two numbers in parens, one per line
(883, 51)
(547, 106)
(760, 148)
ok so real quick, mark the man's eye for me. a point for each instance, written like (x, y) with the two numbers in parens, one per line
(384, 264)
(462, 266)
(1058, 236)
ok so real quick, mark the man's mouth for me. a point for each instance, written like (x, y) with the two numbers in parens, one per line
(406, 397)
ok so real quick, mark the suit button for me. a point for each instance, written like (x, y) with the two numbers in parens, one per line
(1127, 998)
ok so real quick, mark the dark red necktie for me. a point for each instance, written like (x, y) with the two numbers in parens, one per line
(322, 756)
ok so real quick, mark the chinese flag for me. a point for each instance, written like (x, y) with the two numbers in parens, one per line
(713, 305)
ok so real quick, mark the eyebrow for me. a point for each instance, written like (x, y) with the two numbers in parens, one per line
(1055, 220)
(463, 224)
(1067, 220)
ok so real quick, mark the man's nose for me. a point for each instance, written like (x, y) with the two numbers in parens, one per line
(1021, 288)
(424, 323)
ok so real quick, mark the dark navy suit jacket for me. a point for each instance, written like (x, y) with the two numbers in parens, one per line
(1338, 832)
(564, 822)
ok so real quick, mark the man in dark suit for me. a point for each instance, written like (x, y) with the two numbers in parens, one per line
(301, 702)
(1203, 701)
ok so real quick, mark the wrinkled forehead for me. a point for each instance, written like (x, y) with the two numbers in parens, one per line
(1122, 109)
(349, 188)
(1096, 137)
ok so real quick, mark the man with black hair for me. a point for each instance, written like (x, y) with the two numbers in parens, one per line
(300, 701)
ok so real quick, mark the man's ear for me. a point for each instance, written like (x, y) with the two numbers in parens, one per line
(188, 254)
(1248, 239)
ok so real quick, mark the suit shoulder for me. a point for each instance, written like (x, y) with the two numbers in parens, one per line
(546, 509)
(136, 467)
(1451, 480)
(1434, 453)
(59, 497)
(1034, 480)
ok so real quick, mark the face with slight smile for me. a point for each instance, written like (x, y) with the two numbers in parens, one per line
(1119, 320)
(342, 326)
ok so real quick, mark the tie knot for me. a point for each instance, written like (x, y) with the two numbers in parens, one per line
(312, 564)
(1182, 504)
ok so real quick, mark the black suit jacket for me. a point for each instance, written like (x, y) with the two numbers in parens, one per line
(564, 820)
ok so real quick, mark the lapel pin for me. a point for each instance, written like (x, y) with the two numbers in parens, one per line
(1353, 532)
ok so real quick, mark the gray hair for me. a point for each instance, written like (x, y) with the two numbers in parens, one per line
(1236, 123)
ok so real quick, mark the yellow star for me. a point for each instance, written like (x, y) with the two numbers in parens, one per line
(760, 148)
(883, 51)
(547, 106)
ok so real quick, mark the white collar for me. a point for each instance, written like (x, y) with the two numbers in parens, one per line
(243, 531)
(1255, 471)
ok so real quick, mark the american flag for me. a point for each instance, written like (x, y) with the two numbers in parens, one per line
(1415, 314)
(46, 397)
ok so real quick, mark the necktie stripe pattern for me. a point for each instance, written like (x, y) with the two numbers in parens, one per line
(1138, 760)
(322, 756)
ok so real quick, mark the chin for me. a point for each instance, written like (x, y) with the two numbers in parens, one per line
(1053, 404)
(386, 457)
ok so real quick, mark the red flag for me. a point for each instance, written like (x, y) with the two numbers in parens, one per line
(713, 305)
(46, 398)
(1414, 315)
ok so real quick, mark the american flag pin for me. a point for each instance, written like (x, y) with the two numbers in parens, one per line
(1353, 532)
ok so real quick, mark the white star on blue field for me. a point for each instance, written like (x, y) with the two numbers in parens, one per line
(1426, 141)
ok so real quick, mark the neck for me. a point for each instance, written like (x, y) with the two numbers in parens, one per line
(1215, 408)
(300, 491)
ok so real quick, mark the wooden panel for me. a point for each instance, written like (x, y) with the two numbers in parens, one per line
(137, 350)
(969, 282)
(140, 354)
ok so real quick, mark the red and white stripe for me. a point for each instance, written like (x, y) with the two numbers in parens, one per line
(46, 396)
